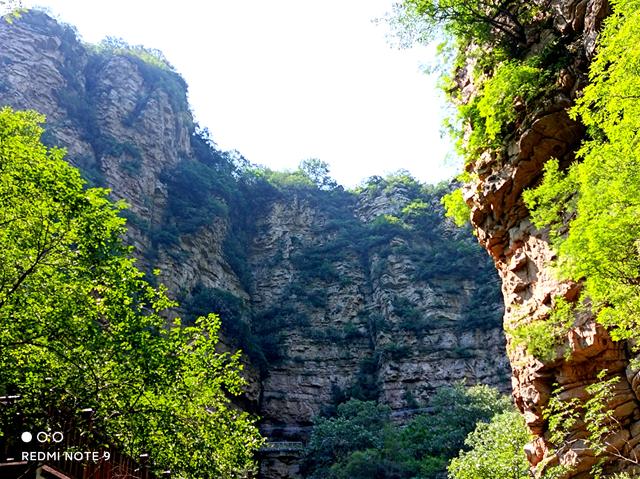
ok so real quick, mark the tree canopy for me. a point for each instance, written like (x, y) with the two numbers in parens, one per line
(465, 20)
(81, 329)
(361, 442)
(496, 449)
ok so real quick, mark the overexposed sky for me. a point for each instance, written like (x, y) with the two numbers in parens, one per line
(285, 80)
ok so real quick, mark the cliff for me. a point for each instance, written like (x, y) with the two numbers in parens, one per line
(524, 257)
(331, 294)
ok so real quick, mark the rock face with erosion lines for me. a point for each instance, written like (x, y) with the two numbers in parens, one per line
(523, 256)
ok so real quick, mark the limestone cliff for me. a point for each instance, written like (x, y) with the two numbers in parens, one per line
(330, 293)
(523, 255)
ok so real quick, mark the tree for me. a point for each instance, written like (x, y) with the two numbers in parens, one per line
(456, 411)
(480, 20)
(358, 425)
(362, 443)
(318, 172)
(496, 450)
(81, 329)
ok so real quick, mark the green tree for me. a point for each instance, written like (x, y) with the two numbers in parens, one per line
(496, 450)
(598, 197)
(370, 464)
(438, 436)
(421, 20)
(358, 425)
(362, 443)
(456, 208)
(318, 172)
(80, 328)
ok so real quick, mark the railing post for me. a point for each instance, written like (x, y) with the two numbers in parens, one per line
(144, 465)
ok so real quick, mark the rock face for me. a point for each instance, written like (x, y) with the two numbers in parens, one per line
(523, 256)
(332, 294)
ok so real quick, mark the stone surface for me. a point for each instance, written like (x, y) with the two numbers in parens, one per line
(523, 257)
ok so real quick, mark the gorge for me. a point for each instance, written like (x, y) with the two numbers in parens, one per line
(373, 294)
(331, 294)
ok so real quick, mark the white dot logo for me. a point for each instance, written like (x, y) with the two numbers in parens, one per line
(26, 437)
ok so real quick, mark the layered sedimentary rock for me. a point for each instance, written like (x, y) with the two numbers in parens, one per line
(524, 257)
(340, 303)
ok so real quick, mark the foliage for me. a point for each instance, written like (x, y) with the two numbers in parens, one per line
(502, 97)
(361, 442)
(422, 20)
(155, 69)
(496, 449)
(193, 195)
(484, 120)
(358, 425)
(311, 174)
(318, 172)
(118, 46)
(456, 411)
(456, 207)
(596, 202)
(366, 387)
(76, 314)
(511, 81)
(542, 337)
(595, 413)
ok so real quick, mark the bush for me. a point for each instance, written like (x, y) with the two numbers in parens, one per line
(496, 449)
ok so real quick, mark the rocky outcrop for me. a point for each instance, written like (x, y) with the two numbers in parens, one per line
(523, 256)
(324, 295)
(372, 313)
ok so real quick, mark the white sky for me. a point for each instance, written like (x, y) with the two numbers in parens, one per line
(285, 80)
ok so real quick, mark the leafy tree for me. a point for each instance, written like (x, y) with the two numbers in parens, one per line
(77, 316)
(421, 20)
(358, 425)
(362, 443)
(456, 208)
(318, 171)
(456, 411)
(496, 449)
(598, 197)
(311, 175)
(565, 414)
(370, 464)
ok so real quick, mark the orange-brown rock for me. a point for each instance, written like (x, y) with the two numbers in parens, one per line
(524, 259)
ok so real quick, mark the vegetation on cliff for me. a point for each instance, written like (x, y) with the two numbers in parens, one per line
(81, 330)
(592, 208)
(203, 192)
(238, 191)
